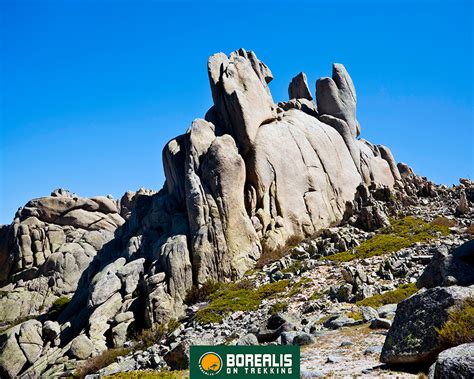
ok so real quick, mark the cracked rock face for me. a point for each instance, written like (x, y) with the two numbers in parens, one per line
(247, 178)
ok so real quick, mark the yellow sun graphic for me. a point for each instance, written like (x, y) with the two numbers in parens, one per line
(210, 363)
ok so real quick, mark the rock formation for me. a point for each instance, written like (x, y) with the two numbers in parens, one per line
(247, 179)
(50, 243)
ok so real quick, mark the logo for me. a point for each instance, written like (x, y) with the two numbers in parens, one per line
(210, 363)
(244, 362)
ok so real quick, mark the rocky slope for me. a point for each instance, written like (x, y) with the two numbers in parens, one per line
(242, 184)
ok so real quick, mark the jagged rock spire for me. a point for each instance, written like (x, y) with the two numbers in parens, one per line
(298, 88)
(241, 96)
(337, 97)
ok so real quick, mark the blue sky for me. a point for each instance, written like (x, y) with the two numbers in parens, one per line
(90, 91)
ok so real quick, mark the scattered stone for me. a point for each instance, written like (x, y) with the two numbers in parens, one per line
(373, 350)
(456, 362)
(247, 340)
(81, 347)
(380, 323)
(368, 313)
(339, 321)
(333, 359)
(303, 339)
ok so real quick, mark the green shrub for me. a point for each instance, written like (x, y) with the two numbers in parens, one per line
(344, 256)
(355, 315)
(147, 337)
(58, 306)
(316, 295)
(278, 307)
(298, 286)
(240, 296)
(389, 297)
(459, 328)
(173, 324)
(400, 234)
(94, 364)
(199, 294)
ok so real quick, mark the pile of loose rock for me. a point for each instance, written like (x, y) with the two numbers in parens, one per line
(308, 321)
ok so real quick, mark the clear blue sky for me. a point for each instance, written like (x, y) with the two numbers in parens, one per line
(90, 91)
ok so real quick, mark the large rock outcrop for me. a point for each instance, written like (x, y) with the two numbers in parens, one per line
(448, 268)
(413, 336)
(246, 179)
(50, 243)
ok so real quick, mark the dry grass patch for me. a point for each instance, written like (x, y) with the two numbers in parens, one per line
(272, 255)
(470, 230)
(389, 297)
(459, 328)
(199, 294)
(94, 364)
(148, 337)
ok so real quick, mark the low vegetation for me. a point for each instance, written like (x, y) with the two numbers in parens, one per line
(459, 328)
(240, 296)
(296, 287)
(269, 256)
(278, 307)
(150, 336)
(150, 375)
(470, 230)
(389, 297)
(323, 319)
(58, 306)
(400, 234)
(4, 327)
(94, 364)
(355, 315)
(199, 294)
